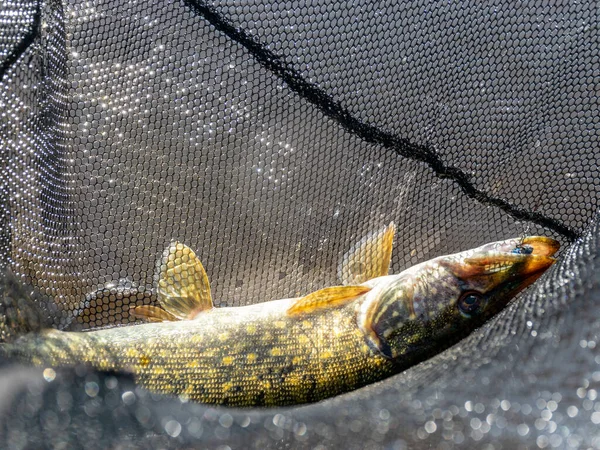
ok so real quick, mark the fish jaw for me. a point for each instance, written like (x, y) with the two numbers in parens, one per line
(444, 299)
(501, 270)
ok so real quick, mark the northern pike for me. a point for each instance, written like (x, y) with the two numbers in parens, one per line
(299, 350)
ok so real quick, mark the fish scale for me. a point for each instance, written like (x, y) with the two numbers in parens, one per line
(233, 357)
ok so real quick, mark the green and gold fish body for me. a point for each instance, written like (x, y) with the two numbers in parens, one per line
(252, 355)
(305, 349)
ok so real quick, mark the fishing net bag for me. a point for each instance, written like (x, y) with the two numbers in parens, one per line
(270, 137)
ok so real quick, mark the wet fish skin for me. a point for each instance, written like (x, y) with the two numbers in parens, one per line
(232, 356)
(264, 355)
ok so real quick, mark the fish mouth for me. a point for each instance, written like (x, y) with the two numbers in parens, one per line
(527, 272)
(541, 245)
(541, 258)
(520, 261)
(529, 259)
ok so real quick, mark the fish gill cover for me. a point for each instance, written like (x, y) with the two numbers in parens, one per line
(269, 137)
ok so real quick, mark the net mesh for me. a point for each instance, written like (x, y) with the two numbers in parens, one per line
(271, 137)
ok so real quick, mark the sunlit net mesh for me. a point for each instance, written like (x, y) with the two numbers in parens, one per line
(271, 137)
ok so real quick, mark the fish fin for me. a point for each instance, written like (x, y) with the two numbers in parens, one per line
(152, 314)
(369, 258)
(326, 298)
(183, 287)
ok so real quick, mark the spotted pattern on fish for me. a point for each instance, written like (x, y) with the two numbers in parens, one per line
(273, 353)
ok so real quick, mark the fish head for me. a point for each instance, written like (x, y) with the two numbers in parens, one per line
(442, 300)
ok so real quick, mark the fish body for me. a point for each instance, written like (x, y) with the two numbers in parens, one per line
(250, 355)
(298, 350)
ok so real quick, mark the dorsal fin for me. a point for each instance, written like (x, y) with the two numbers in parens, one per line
(369, 258)
(183, 287)
(326, 298)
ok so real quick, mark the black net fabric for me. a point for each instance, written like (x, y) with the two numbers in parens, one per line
(271, 136)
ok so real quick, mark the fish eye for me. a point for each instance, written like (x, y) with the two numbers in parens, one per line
(470, 303)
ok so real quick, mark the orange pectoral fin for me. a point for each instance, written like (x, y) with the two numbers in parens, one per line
(326, 298)
(152, 314)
